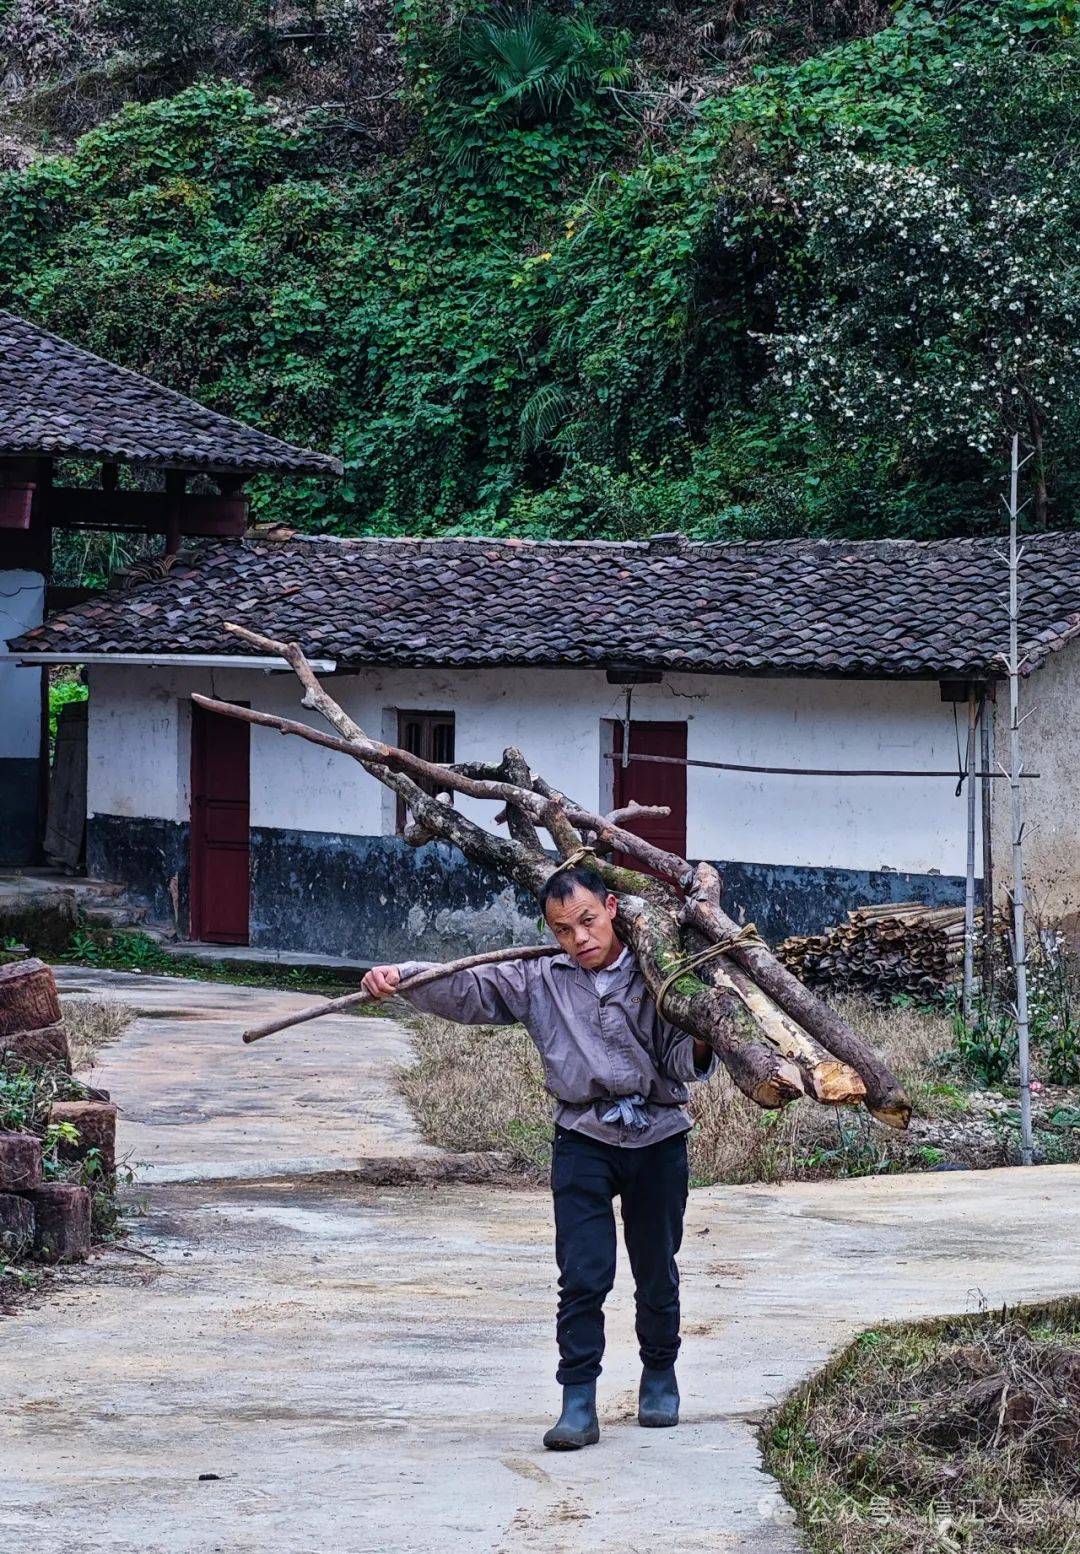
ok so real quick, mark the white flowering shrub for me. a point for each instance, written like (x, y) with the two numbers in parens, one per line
(937, 307)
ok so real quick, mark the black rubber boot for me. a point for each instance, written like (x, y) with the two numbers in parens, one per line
(577, 1425)
(658, 1399)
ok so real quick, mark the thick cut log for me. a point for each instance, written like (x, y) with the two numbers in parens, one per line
(20, 1161)
(45, 1048)
(827, 1079)
(95, 1123)
(28, 998)
(61, 1222)
(16, 1226)
(761, 1073)
(885, 1096)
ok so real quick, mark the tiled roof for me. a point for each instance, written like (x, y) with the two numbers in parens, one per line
(58, 399)
(892, 607)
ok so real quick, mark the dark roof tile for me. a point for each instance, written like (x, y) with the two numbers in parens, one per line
(57, 399)
(891, 607)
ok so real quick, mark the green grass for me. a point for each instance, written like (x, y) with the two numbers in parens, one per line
(130, 950)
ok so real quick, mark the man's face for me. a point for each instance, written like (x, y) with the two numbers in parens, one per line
(584, 925)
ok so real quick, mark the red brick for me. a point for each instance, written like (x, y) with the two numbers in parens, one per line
(28, 999)
(36, 1049)
(16, 1225)
(96, 1125)
(62, 1222)
(20, 1162)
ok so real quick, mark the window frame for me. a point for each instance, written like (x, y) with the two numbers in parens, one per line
(434, 726)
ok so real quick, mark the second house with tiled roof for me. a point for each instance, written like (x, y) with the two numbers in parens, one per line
(87, 446)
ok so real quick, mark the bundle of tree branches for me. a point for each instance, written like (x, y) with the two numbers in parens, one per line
(777, 1040)
(901, 947)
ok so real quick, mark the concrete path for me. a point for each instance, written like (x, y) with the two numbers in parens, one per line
(306, 1364)
(196, 1103)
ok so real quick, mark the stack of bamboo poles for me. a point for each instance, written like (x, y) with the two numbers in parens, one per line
(902, 947)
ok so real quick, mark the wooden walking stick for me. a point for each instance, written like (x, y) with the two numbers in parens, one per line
(353, 1000)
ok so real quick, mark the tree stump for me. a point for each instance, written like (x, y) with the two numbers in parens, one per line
(28, 999)
(20, 1162)
(46, 1048)
(16, 1225)
(62, 1222)
(96, 1125)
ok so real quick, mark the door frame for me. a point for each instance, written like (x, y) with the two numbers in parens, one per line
(620, 776)
(200, 721)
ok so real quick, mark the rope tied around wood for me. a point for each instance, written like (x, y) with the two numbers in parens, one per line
(576, 860)
(748, 934)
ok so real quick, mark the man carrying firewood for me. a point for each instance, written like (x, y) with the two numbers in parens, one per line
(619, 1074)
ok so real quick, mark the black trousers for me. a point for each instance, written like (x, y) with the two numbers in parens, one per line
(651, 1183)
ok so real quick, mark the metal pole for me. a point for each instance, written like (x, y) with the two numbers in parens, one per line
(1015, 765)
(986, 756)
(969, 883)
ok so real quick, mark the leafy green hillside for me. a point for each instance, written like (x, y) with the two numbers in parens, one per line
(561, 296)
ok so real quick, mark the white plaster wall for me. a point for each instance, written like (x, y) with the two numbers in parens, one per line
(1050, 743)
(132, 744)
(139, 754)
(22, 605)
(911, 824)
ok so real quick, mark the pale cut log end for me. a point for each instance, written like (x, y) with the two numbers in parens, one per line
(782, 1086)
(837, 1084)
(895, 1114)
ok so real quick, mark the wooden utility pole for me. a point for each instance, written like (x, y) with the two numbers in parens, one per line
(1019, 948)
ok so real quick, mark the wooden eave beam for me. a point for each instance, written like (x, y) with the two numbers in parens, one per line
(147, 512)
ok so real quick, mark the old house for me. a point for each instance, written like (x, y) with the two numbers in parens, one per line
(801, 707)
(69, 424)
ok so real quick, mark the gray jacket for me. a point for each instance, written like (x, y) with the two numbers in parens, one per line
(595, 1047)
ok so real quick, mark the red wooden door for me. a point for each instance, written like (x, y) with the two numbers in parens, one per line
(653, 782)
(220, 846)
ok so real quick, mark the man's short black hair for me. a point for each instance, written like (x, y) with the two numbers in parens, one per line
(561, 885)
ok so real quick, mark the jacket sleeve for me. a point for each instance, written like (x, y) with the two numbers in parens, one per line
(498, 994)
(675, 1056)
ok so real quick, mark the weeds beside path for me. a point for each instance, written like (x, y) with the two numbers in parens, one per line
(481, 1088)
(958, 1433)
(27, 1096)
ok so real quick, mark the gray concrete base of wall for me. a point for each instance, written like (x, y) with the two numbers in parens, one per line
(363, 899)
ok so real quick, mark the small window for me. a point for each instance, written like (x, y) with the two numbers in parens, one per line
(429, 735)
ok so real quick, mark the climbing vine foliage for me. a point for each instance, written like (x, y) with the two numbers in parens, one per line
(816, 303)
